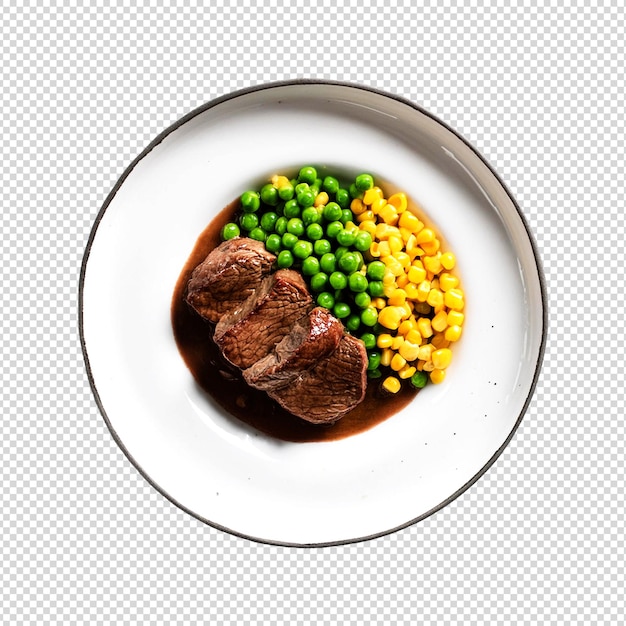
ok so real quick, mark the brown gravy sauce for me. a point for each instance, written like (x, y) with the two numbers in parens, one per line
(225, 386)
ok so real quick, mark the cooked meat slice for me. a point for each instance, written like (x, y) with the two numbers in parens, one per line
(329, 389)
(251, 331)
(311, 339)
(229, 275)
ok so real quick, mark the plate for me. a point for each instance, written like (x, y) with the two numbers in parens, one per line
(224, 472)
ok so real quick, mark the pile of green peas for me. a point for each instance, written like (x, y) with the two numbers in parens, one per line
(321, 241)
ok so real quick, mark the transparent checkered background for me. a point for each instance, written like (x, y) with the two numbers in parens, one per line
(538, 89)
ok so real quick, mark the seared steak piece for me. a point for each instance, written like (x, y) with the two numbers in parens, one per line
(251, 331)
(329, 389)
(311, 339)
(229, 275)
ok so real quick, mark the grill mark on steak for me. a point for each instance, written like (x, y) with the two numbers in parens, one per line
(249, 332)
(228, 276)
(310, 340)
(331, 388)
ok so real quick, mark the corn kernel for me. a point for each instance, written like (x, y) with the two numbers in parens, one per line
(405, 234)
(437, 376)
(403, 258)
(402, 281)
(414, 336)
(398, 201)
(377, 205)
(357, 206)
(394, 266)
(411, 290)
(409, 350)
(384, 231)
(441, 358)
(384, 340)
(372, 194)
(435, 298)
(395, 243)
(448, 281)
(321, 199)
(432, 264)
(397, 362)
(379, 303)
(407, 326)
(425, 328)
(416, 274)
(431, 247)
(391, 384)
(375, 249)
(366, 216)
(428, 366)
(453, 299)
(279, 181)
(389, 278)
(448, 260)
(390, 317)
(385, 356)
(440, 322)
(455, 318)
(412, 249)
(397, 298)
(384, 248)
(425, 351)
(423, 289)
(407, 371)
(407, 311)
(424, 236)
(410, 221)
(438, 340)
(389, 214)
(398, 340)
(453, 333)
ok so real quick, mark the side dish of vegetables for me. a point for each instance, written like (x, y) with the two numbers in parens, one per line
(371, 261)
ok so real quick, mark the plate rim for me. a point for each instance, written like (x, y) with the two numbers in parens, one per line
(237, 94)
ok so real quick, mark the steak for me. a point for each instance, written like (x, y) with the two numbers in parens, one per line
(252, 330)
(311, 339)
(328, 390)
(228, 276)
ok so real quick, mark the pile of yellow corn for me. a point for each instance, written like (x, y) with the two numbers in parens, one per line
(423, 303)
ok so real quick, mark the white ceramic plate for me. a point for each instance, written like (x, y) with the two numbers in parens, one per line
(223, 472)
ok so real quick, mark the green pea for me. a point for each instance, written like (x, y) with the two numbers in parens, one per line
(295, 226)
(302, 249)
(273, 243)
(257, 233)
(306, 198)
(268, 221)
(369, 316)
(357, 282)
(342, 198)
(419, 379)
(328, 263)
(310, 265)
(363, 182)
(291, 209)
(333, 228)
(289, 240)
(250, 201)
(319, 281)
(346, 216)
(355, 192)
(348, 262)
(286, 192)
(307, 174)
(314, 232)
(269, 194)
(230, 231)
(300, 187)
(284, 259)
(311, 215)
(353, 322)
(363, 241)
(346, 238)
(374, 374)
(376, 270)
(376, 288)
(341, 310)
(332, 212)
(362, 300)
(249, 221)
(373, 359)
(338, 280)
(317, 184)
(321, 247)
(326, 299)
(281, 225)
(369, 340)
(330, 185)
(340, 251)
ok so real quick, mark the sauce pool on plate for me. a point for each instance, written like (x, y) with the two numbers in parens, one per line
(223, 383)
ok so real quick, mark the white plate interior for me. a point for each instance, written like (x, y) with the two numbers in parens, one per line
(223, 471)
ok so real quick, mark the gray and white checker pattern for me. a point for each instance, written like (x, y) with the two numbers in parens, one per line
(537, 87)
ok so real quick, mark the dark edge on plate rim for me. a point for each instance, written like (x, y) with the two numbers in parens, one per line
(243, 92)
